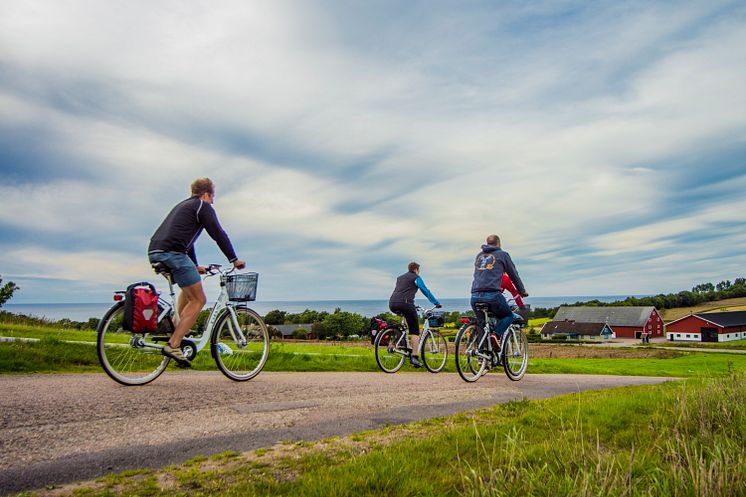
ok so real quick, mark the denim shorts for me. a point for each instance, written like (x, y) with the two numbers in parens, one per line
(182, 267)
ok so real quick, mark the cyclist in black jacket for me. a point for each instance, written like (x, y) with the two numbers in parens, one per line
(173, 245)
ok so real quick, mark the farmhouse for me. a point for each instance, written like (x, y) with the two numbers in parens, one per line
(287, 329)
(577, 331)
(708, 327)
(625, 321)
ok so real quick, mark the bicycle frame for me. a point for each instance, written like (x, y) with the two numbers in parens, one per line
(403, 344)
(221, 304)
(488, 333)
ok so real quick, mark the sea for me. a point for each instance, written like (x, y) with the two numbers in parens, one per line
(85, 311)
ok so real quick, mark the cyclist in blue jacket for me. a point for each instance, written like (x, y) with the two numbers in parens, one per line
(402, 302)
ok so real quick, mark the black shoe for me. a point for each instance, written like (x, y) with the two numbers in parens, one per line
(415, 362)
(175, 354)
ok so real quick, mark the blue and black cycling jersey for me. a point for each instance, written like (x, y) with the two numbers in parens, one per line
(406, 287)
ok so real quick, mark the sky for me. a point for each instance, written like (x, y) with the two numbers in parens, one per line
(604, 142)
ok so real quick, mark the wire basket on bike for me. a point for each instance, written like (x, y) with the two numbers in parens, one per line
(241, 287)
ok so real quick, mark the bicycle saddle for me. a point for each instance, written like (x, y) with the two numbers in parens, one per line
(482, 306)
(160, 268)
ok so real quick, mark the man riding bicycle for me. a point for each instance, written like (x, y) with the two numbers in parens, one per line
(402, 302)
(173, 245)
(489, 266)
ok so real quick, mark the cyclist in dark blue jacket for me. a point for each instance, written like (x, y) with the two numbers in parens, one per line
(402, 302)
(173, 245)
(489, 266)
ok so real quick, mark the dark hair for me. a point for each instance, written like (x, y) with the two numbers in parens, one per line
(202, 186)
(413, 266)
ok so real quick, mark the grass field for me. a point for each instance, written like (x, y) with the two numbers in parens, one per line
(50, 355)
(674, 439)
(738, 304)
(733, 345)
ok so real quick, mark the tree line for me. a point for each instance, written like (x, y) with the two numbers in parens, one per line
(339, 324)
(704, 292)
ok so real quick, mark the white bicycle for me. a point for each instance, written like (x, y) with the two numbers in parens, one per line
(392, 345)
(238, 337)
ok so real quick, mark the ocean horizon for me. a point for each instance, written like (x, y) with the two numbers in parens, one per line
(368, 308)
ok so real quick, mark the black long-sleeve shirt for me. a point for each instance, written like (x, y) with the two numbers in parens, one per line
(182, 226)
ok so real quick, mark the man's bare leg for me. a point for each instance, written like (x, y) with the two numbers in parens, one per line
(190, 303)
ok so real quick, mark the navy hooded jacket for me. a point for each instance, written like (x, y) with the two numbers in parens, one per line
(489, 266)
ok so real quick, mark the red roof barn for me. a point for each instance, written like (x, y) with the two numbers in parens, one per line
(626, 321)
(708, 327)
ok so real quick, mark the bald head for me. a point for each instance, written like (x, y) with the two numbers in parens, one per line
(493, 240)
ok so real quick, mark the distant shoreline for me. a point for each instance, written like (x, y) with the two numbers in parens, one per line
(86, 310)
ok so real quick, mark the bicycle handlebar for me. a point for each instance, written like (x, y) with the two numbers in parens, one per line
(214, 269)
(424, 311)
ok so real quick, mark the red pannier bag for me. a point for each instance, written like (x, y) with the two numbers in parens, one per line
(141, 308)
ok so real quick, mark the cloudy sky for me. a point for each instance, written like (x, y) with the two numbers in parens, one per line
(605, 142)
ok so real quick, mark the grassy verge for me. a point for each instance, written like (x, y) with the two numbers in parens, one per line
(678, 439)
(734, 345)
(53, 355)
(26, 331)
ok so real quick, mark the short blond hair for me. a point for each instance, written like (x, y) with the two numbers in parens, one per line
(201, 186)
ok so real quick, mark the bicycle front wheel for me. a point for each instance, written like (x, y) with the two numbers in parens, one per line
(388, 355)
(434, 351)
(515, 353)
(129, 358)
(240, 353)
(469, 365)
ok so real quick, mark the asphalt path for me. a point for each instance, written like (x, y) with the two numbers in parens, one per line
(57, 429)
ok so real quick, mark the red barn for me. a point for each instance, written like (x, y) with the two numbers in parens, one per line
(708, 327)
(627, 322)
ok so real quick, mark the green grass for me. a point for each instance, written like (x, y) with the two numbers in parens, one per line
(685, 365)
(54, 355)
(49, 355)
(678, 439)
(26, 331)
(734, 345)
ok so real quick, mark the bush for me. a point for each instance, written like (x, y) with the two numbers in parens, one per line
(559, 337)
(300, 333)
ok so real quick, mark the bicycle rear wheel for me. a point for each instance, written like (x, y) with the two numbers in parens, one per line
(240, 354)
(434, 351)
(469, 365)
(515, 353)
(129, 358)
(389, 357)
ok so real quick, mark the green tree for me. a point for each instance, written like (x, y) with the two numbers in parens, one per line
(6, 291)
(275, 317)
(343, 324)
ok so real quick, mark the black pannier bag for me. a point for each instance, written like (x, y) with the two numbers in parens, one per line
(140, 308)
(436, 320)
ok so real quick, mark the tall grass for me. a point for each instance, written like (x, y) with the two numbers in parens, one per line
(691, 442)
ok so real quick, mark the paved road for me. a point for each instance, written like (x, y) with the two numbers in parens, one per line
(62, 428)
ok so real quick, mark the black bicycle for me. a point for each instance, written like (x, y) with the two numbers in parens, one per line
(477, 353)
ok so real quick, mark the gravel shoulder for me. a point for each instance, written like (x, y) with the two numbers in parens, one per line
(56, 429)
